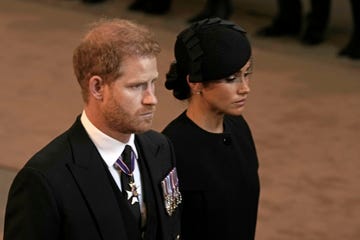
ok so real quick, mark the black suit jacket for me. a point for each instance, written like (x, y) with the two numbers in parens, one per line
(64, 192)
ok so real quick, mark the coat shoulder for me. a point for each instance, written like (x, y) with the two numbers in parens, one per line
(153, 136)
(51, 156)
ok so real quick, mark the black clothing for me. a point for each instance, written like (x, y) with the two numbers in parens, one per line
(66, 191)
(352, 49)
(158, 7)
(214, 8)
(218, 176)
(288, 21)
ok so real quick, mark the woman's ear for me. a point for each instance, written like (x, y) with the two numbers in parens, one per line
(96, 87)
(196, 88)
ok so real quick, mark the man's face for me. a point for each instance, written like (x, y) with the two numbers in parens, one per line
(129, 102)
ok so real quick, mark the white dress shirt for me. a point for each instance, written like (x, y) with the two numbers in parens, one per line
(110, 150)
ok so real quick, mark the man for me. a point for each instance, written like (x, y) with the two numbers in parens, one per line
(80, 185)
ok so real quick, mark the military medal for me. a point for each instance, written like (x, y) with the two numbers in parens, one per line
(128, 168)
(171, 192)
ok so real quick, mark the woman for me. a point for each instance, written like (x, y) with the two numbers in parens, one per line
(216, 157)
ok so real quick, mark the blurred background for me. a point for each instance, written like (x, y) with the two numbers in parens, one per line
(304, 108)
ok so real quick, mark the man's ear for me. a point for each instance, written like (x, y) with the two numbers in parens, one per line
(96, 87)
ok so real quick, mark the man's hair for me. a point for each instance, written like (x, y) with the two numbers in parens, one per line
(104, 47)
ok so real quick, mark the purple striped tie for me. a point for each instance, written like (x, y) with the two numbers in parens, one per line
(126, 163)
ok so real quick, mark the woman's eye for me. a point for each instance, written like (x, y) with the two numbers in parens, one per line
(247, 74)
(231, 78)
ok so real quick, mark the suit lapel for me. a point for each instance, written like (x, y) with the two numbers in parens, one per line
(90, 175)
(150, 150)
(157, 168)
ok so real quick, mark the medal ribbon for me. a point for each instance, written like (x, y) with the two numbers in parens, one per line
(124, 167)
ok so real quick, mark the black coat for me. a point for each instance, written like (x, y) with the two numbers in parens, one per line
(64, 192)
(218, 176)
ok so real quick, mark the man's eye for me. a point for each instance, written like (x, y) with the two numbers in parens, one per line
(137, 86)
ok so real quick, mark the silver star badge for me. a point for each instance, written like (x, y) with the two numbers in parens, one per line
(133, 194)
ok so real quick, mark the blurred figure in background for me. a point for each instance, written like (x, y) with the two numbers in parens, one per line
(352, 49)
(214, 8)
(157, 7)
(151, 6)
(289, 21)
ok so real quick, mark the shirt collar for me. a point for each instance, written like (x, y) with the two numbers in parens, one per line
(109, 148)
